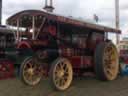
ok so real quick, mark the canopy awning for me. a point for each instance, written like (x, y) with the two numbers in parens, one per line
(26, 14)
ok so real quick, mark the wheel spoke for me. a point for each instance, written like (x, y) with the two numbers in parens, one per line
(62, 65)
(66, 73)
(63, 82)
(59, 66)
(110, 72)
(29, 77)
(30, 65)
(26, 74)
(57, 81)
(65, 78)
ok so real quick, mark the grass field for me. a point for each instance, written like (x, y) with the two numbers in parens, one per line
(79, 87)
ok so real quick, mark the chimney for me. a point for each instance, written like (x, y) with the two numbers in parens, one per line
(51, 3)
(46, 3)
(0, 12)
(48, 7)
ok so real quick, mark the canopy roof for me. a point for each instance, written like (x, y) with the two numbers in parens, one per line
(66, 20)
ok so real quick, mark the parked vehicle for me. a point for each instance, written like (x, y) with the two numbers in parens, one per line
(123, 46)
(7, 43)
(60, 47)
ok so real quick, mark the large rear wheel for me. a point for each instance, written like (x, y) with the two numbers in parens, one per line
(61, 74)
(106, 61)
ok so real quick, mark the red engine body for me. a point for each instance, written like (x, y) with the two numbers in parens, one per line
(59, 36)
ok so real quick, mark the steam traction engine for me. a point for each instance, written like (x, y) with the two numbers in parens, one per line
(7, 42)
(61, 47)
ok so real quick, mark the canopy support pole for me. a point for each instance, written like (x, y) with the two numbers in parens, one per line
(33, 27)
(17, 33)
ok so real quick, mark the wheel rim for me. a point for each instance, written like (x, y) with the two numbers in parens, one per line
(32, 72)
(62, 74)
(110, 61)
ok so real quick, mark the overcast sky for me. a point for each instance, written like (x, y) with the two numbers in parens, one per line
(76, 8)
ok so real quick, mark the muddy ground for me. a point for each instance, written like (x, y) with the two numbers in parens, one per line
(80, 87)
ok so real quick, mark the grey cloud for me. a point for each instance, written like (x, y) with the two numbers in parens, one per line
(13, 7)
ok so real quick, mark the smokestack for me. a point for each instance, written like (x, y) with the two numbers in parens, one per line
(0, 12)
(50, 2)
(46, 3)
(49, 6)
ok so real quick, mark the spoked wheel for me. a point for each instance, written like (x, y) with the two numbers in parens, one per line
(106, 61)
(31, 71)
(61, 74)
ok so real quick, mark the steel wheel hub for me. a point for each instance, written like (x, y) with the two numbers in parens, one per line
(60, 73)
(31, 71)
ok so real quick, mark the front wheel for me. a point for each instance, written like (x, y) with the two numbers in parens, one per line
(30, 71)
(61, 74)
(106, 61)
